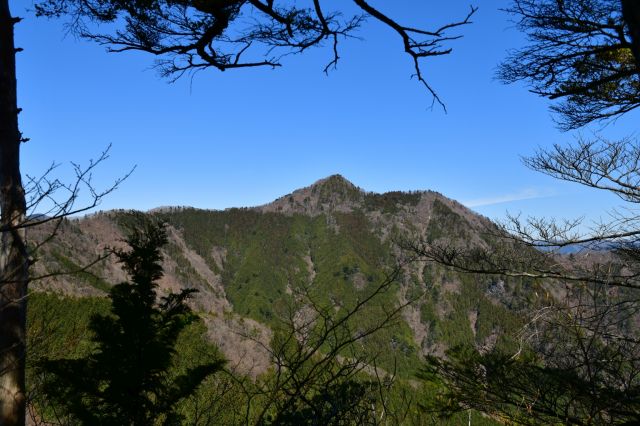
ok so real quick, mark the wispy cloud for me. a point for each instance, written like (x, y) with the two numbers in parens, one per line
(525, 194)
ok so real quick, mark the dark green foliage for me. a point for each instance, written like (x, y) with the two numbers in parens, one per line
(268, 255)
(58, 328)
(322, 373)
(471, 310)
(265, 261)
(58, 325)
(526, 391)
(343, 403)
(390, 202)
(445, 223)
(68, 266)
(124, 380)
(336, 190)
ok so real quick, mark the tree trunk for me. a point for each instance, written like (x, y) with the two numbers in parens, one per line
(631, 16)
(14, 259)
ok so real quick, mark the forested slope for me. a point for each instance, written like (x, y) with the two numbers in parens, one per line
(331, 242)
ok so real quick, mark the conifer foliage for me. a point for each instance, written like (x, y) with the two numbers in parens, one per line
(126, 380)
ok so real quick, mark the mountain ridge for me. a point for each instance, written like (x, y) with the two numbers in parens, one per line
(331, 235)
(333, 193)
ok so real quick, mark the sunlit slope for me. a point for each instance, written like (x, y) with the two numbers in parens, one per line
(332, 240)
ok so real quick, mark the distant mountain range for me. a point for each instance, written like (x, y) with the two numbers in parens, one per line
(332, 237)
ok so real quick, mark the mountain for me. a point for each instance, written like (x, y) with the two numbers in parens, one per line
(332, 238)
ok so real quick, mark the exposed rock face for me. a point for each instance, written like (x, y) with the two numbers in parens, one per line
(331, 238)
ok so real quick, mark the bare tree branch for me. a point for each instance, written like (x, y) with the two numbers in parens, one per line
(580, 51)
(191, 35)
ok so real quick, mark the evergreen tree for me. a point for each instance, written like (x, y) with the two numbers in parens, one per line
(126, 379)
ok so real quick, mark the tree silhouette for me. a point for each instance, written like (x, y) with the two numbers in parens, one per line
(192, 35)
(585, 52)
(126, 380)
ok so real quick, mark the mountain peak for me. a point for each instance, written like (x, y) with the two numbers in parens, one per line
(333, 193)
(335, 189)
(335, 181)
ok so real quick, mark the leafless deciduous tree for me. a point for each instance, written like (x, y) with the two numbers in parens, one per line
(47, 200)
(611, 166)
(584, 52)
(579, 359)
(321, 372)
(578, 364)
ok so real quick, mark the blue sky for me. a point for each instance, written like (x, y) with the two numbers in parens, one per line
(243, 138)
